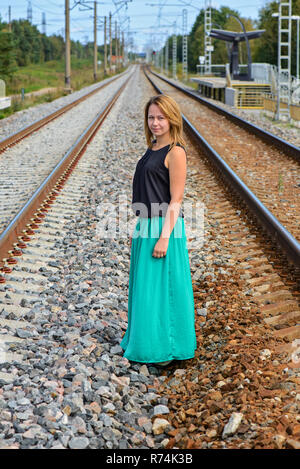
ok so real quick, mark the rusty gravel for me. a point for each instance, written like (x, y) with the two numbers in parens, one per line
(243, 362)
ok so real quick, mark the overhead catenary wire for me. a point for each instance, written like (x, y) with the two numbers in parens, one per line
(55, 15)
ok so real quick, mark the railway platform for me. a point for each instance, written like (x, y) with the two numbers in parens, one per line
(237, 93)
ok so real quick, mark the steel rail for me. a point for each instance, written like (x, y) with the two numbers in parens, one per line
(15, 137)
(278, 233)
(29, 217)
(268, 137)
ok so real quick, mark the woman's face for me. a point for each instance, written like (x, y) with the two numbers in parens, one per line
(157, 121)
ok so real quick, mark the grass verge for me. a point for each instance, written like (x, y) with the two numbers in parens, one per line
(51, 74)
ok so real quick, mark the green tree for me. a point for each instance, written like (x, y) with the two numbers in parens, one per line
(266, 50)
(7, 54)
(220, 20)
(267, 46)
(57, 47)
(77, 49)
(26, 45)
(28, 42)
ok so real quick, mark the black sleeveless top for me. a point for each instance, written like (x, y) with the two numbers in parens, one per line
(151, 185)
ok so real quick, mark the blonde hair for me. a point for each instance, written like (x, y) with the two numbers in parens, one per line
(171, 110)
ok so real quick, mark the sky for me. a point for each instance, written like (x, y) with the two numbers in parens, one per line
(148, 21)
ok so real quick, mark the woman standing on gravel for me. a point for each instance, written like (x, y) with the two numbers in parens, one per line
(160, 300)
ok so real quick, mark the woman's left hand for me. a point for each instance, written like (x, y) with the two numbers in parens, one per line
(161, 247)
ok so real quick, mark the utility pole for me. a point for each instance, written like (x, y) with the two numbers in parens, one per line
(86, 6)
(29, 12)
(207, 38)
(174, 54)
(9, 19)
(284, 58)
(110, 43)
(95, 41)
(105, 47)
(119, 46)
(156, 58)
(44, 23)
(184, 45)
(116, 45)
(167, 56)
(67, 45)
(123, 48)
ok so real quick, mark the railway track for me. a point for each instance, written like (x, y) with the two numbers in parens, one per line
(30, 162)
(268, 165)
(265, 135)
(63, 313)
(15, 137)
(266, 279)
(286, 316)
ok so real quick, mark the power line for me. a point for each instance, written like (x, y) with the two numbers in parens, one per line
(47, 11)
(55, 4)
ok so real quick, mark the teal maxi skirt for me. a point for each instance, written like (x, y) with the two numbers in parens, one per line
(161, 318)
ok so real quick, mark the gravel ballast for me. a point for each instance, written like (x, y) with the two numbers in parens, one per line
(74, 389)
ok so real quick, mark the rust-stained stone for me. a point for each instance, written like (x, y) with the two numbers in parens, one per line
(249, 384)
(293, 444)
(234, 334)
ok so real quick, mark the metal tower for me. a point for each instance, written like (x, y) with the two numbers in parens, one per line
(184, 45)
(174, 53)
(284, 57)
(167, 56)
(161, 53)
(29, 12)
(207, 38)
(44, 23)
(156, 56)
(9, 19)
